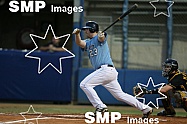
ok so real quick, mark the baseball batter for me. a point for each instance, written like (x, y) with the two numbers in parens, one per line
(105, 74)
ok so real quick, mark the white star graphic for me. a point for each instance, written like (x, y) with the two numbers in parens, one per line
(39, 62)
(31, 109)
(150, 102)
(166, 14)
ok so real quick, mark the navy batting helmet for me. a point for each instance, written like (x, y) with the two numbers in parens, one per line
(169, 66)
(92, 26)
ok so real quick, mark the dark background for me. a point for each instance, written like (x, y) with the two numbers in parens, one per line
(14, 24)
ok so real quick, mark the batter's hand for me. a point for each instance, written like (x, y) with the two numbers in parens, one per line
(76, 31)
(101, 34)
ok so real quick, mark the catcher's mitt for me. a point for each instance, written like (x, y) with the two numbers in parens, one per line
(140, 91)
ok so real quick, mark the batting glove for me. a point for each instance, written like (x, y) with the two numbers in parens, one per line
(101, 34)
(76, 31)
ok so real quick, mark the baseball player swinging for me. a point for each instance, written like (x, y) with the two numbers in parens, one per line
(177, 84)
(105, 74)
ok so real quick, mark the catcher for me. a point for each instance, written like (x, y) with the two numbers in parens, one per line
(176, 87)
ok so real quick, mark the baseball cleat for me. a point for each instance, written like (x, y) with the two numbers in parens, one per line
(165, 113)
(146, 115)
(102, 110)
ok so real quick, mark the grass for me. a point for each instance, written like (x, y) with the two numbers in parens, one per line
(16, 108)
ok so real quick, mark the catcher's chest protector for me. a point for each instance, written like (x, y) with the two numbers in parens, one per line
(179, 81)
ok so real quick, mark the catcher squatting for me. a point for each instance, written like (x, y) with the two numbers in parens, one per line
(175, 88)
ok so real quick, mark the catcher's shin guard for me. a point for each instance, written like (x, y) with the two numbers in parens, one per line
(169, 109)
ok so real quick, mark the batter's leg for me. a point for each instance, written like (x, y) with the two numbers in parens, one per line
(88, 84)
(115, 89)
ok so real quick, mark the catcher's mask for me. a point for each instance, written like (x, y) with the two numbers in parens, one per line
(92, 26)
(169, 66)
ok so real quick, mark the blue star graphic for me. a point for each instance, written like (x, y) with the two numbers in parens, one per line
(40, 69)
(150, 102)
(170, 3)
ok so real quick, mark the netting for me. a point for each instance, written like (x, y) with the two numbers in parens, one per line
(147, 31)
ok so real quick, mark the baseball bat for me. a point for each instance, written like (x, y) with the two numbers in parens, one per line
(122, 16)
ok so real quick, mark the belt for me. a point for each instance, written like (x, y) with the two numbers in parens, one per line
(107, 66)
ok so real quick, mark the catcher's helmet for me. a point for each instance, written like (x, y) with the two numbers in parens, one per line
(169, 66)
(92, 26)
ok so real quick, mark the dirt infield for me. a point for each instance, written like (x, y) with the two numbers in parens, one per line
(79, 119)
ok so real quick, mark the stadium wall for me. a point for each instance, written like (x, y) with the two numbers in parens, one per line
(20, 80)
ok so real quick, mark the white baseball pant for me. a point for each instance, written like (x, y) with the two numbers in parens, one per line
(107, 77)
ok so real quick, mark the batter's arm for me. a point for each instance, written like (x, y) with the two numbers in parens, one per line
(78, 40)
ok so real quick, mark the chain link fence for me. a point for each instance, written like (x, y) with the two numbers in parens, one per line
(147, 33)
